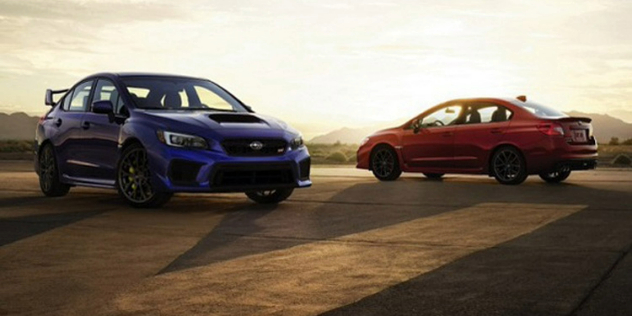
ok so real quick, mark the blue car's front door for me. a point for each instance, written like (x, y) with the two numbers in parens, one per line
(101, 136)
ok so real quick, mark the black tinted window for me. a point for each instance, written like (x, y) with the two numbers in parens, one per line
(485, 113)
(180, 94)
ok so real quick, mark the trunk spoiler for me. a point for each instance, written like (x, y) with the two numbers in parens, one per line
(49, 96)
(574, 119)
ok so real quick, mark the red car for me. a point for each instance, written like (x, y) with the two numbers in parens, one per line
(508, 139)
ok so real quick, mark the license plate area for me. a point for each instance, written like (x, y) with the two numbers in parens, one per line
(579, 136)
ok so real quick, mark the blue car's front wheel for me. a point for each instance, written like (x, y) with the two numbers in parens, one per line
(134, 179)
(270, 196)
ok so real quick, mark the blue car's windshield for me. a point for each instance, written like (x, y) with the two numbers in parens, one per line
(169, 93)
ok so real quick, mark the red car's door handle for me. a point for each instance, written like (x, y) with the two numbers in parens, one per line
(496, 131)
(447, 134)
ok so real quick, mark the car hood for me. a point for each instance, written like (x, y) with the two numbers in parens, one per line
(219, 124)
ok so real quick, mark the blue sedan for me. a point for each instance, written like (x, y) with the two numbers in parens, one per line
(149, 136)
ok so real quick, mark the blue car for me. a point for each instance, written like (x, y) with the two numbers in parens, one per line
(150, 135)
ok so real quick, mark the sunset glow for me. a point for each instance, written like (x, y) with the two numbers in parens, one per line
(322, 65)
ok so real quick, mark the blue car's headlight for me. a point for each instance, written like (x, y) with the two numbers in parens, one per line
(297, 142)
(182, 140)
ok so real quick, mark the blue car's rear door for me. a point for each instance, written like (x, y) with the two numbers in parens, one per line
(68, 135)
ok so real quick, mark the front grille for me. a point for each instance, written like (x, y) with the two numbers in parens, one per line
(245, 147)
(182, 172)
(252, 176)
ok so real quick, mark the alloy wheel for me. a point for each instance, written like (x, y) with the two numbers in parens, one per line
(134, 176)
(47, 168)
(507, 165)
(383, 163)
(270, 196)
(265, 193)
(558, 173)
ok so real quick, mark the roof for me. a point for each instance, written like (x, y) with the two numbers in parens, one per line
(141, 74)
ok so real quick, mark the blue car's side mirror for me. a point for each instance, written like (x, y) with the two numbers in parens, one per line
(104, 107)
(249, 108)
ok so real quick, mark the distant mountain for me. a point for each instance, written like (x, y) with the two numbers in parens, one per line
(344, 135)
(623, 115)
(17, 126)
(348, 135)
(605, 127)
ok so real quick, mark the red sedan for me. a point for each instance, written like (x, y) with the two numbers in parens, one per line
(508, 139)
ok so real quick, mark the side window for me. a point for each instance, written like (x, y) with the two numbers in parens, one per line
(79, 100)
(210, 99)
(105, 90)
(486, 113)
(444, 116)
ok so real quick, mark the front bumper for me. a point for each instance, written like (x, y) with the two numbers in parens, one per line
(185, 170)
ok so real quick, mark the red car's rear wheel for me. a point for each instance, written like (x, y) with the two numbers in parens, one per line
(508, 166)
(556, 176)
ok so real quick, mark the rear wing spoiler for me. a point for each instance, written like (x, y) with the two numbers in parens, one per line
(49, 96)
(574, 119)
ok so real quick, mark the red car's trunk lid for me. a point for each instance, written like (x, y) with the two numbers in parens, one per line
(577, 130)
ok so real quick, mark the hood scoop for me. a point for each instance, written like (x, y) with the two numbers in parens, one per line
(235, 118)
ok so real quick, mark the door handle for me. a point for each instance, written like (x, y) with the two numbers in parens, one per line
(58, 122)
(448, 134)
(85, 125)
(496, 131)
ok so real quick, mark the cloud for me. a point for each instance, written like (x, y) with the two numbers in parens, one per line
(347, 59)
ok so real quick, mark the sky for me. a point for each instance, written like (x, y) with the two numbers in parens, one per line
(324, 64)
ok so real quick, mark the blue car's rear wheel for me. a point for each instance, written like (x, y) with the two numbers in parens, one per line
(270, 196)
(134, 179)
(50, 183)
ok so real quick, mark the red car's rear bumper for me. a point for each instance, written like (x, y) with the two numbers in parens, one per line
(553, 153)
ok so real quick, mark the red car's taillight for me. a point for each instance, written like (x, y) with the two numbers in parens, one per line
(551, 129)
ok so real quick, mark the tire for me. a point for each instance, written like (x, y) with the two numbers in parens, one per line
(434, 175)
(508, 166)
(556, 176)
(384, 163)
(133, 173)
(270, 196)
(49, 180)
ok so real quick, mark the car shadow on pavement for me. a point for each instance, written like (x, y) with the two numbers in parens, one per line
(256, 229)
(244, 216)
(564, 268)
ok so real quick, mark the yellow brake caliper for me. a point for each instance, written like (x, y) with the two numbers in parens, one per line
(131, 171)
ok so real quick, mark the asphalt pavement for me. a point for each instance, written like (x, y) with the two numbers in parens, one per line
(349, 245)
